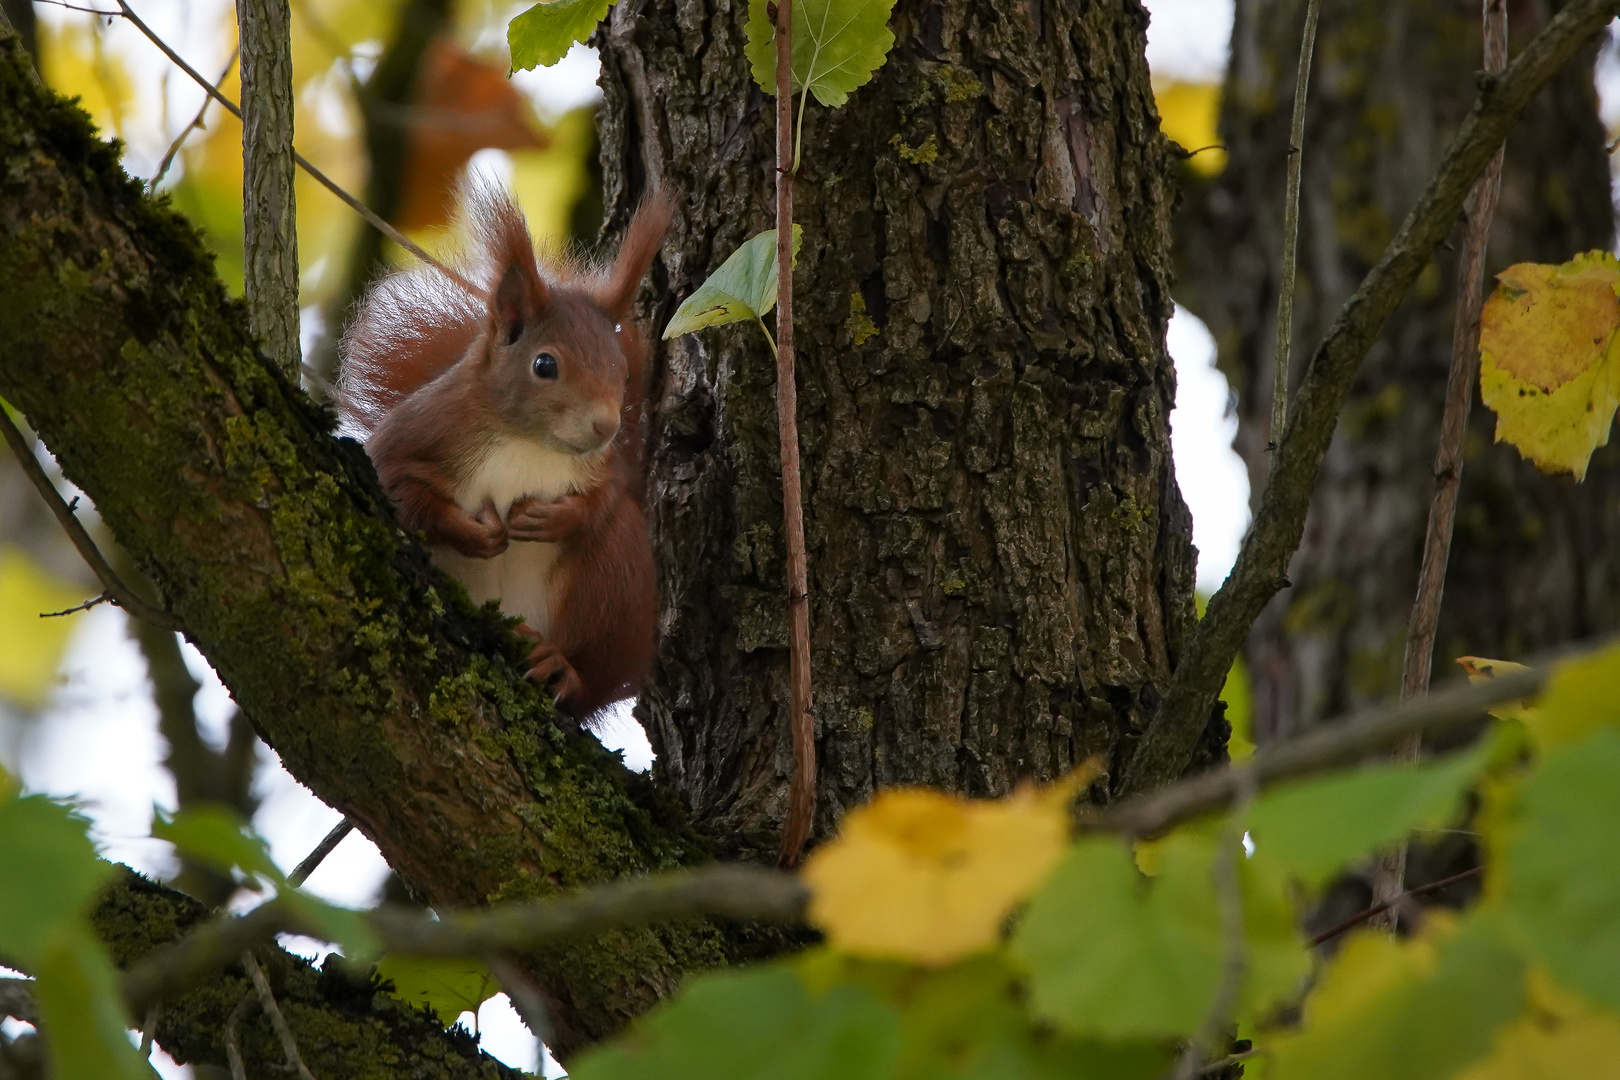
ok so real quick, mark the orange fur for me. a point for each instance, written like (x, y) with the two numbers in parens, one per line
(445, 389)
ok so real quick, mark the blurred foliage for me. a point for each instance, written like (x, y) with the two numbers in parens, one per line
(1187, 114)
(31, 647)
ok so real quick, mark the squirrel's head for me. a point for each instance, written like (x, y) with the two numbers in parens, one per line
(554, 360)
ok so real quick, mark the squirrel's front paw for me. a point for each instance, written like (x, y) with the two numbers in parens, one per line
(546, 522)
(482, 535)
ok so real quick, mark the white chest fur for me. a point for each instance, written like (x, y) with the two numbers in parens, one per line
(522, 577)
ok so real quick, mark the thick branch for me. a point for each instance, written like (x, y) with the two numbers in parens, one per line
(1262, 565)
(380, 687)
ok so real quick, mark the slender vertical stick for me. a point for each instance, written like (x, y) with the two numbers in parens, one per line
(269, 221)
(802, 790)
(1290, 251)
(1390, 872)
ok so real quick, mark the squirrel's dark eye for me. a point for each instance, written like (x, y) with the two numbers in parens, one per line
(545, 366)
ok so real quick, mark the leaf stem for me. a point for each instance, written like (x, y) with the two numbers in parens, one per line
(769, 340)
(798, 137)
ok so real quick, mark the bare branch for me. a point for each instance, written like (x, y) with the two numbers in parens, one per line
(331, 840)
(1378, 909)
(233, 1053)
(1330, 745)
(120, 593)
(196, 123)
(737, 892)
(1290, 251)
(267, 1002)
(269, 213)
(1262, 565)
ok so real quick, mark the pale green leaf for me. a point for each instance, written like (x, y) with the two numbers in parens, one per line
(837, 44)
(1113, 956)
(81, 1014)
(448, 986)
(743, 288)
(543, 35)
(1562, 865)
(753, 1025)
(1317, 826)
(49, 874)
(217, 837)
(1404, 1010)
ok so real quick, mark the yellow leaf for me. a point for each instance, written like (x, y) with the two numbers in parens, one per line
(1561, 1037)
(1187, 114)
(927, 877)
(1481, 669)
(30, 647)
(1549, 368)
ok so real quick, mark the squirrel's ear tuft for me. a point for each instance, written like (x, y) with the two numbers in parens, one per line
(518, 295)
(641, 242)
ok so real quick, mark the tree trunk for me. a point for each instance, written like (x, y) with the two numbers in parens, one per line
(1535, 559)
(1000, 565)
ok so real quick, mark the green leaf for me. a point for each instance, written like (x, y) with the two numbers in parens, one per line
(1112, 956)
(753, 1025)
(743, 288)
(49, 873)
(81, 1014)
(1562, 866)
(837, 44)
(1581, 697)
(216, 836)
(1405, 1010)
(543, 35)
(449, 987)
(1316, 826)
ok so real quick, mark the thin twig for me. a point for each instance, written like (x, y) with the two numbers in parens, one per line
(196, 123)
(1290, 251)
(1329, 745)
(233, 1054)
(1378, 909)
(525, 997)
(331, 840)
(1234, 944)
(738, 892)
(86, 606)
(1389, 871)
(148, 1028)
(1262, 565)
(303, 163)
(267, 1002)
(120, 593)
(801, 725)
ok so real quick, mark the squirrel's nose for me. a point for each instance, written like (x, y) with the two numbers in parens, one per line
(604, 426)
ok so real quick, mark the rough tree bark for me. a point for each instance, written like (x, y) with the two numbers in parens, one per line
(1000, 566)
(1534, 557)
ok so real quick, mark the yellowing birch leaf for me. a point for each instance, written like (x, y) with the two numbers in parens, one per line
(923, 876)
(1560, 1036)
(1482, 669)
(743, 288)
(1549, 367)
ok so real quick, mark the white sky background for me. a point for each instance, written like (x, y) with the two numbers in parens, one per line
(98, 740)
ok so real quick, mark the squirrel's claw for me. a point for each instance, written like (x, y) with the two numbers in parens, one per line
(546, 522)
(551, 669)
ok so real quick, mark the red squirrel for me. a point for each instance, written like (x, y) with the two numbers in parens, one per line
(507, 429)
